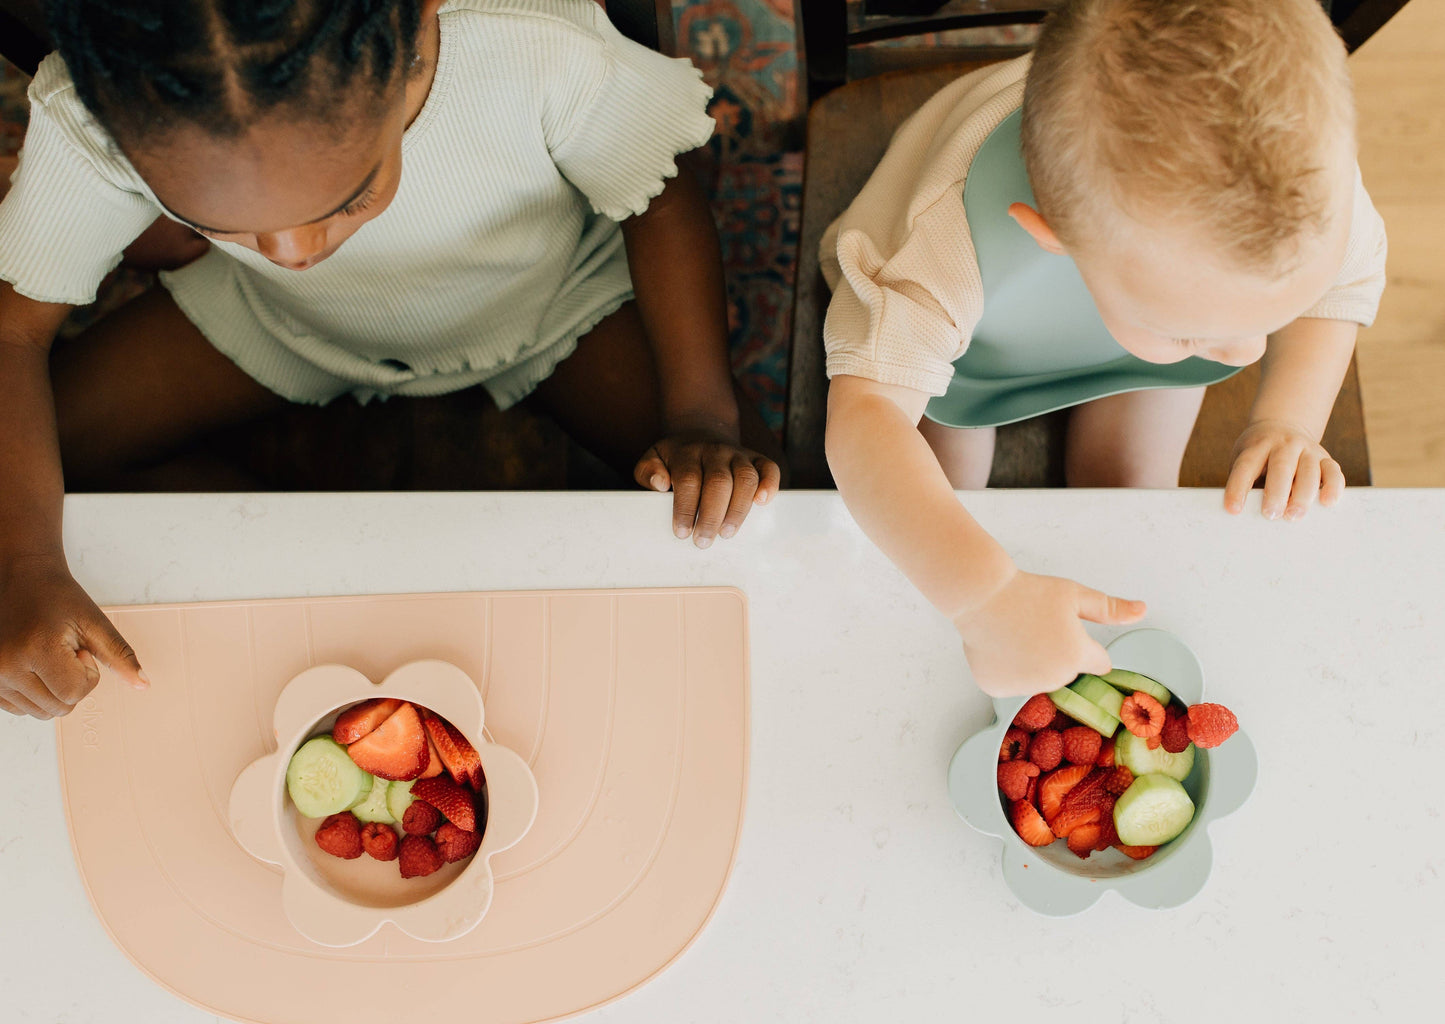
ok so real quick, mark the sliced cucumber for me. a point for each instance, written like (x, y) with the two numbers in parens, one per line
(1152, 811)
(322, 778)
(1134, 754)
(398, 798)
(1084, 710)
(373, 808)
(1129, 682)
(1096, 691)
(365, 788)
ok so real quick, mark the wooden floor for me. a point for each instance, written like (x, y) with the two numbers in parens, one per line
(1400, 83)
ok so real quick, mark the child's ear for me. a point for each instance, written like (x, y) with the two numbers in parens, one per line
(1033, 222)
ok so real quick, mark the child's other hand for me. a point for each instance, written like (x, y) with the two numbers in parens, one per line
(51, 636)
(1027, 637)
(714, 483)
(1296, 470)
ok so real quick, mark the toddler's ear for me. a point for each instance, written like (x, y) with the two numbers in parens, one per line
(1033, 222)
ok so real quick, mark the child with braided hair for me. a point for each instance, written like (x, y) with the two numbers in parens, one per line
(540, 242)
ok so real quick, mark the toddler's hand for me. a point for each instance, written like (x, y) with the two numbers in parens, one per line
(1027, 637)
(714, 482)
(51, 635)
(1296, 471)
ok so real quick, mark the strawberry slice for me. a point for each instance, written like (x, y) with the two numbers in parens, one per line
(459, 756)
(1054, 786)
(1135, 852)
(455, 803)
(1083, 839)
(396, 749)
(1030, 827)
(435, 766)
(354, 723)
(1070, 819)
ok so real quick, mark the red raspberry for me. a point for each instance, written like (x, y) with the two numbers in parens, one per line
(456, 844)
(1210, 724)
(1175, 735)
(420, 819)
(1037, 712)
(1142, 715)
(1013, 778)
(1046, 749)
(1062, 721)
(379, 840)
(340, 836)
(1120, 779)
(419, 857)
(1015, 746)
(1082, 745)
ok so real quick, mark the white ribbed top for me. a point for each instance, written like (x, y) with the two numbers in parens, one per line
(543, 128)
(906, 288)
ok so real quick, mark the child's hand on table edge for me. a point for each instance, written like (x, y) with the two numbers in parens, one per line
(1296, 470)
(714, 480)
(51, 637)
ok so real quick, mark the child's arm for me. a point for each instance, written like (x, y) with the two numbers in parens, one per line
(1021, 632)
(1300, 375)
(676, 264)
(51, 632)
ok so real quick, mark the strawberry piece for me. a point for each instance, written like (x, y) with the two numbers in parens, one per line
(379, 841)
(1082, 745)
(1083, 839)
(1153, 742)
(418, 857)
(1046, 749)
(459, 756)
(1118, 779)
(435, 766)
(340, 836)
(1106, 754)
(1027, 823)
(1142, 715)
(354, 723)
(396, 749)
(1054, 786)
(1014, 776)
(1069, 819)
(1084, 803)
(1107, 835)
(1175, 735)
(1015, 745)
(1032, 793)
(455, 803)
(456, 844)
(1037, 713)
(1210, 724)
(1135, 852)
(420, 819)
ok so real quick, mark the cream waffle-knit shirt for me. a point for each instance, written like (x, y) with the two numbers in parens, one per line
(543, 129)
(906, 288)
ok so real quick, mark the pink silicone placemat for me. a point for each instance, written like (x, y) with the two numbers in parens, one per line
(630, 706)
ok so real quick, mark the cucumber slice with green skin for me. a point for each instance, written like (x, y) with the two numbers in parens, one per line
(1154, 810)
(1086, 711)
(373, 808)
(1134, 754)
(365, 788)
(1129, 682)
(322, 778)
(1096, 691)
(398, 798)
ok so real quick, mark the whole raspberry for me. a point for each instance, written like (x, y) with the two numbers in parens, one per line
(340, 836)
(1210, 724)
(1142, 715)
(1015, 746)
(1062, 721)
(419, 856)
(1013, 778)
(456, 844)
(1175, 736)
(1082, 745)
(1037, 712)
(379, 841)
(1046, 749)
(420, 819)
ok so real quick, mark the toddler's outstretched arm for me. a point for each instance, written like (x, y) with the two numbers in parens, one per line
(1021, 632)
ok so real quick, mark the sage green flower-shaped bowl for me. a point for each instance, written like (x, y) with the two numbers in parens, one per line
(1053, 881)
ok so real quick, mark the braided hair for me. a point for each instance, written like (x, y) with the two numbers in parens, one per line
(142, 66)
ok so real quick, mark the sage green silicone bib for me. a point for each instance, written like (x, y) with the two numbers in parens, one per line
(1040, 344)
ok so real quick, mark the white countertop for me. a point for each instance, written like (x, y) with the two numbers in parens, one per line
(858, 894)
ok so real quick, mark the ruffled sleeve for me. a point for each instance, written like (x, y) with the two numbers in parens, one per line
(1355, 294)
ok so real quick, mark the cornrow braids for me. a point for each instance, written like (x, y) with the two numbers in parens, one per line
(142, 66)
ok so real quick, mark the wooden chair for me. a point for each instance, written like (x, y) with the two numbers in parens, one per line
(852, 118)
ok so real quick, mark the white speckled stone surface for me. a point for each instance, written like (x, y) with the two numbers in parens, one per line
(858, 895)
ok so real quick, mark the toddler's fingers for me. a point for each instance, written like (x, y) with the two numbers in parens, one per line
(771, 479)
(1332, 486)
(112, 651)
(1279, 479)
(1242, 475)
(1096, 660)
(1097, 606)
(717, 489)
(1306, 486)
(686, 492)
(5, 705)
(23, 705)
(745, 487)
(651, 471)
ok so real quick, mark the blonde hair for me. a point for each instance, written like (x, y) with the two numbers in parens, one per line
(1221, 112)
